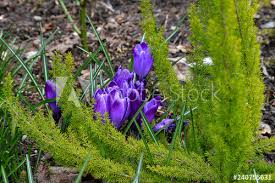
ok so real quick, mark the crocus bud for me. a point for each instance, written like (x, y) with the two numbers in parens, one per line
(122, 76)
(164, 123)
(102, 102)
(143, 60)
(151, 107)
(119, 108)
(52, 91)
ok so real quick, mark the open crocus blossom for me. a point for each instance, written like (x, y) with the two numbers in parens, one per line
(143, 60)
(52, 91)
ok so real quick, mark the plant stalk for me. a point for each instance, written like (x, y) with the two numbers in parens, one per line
(83, 26)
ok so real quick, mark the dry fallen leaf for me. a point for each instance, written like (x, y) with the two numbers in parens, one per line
(63, 44)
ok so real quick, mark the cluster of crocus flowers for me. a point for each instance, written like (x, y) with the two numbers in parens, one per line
(124, 95)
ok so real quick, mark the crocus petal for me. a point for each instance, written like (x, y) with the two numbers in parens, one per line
(163, 123)
(119, 112)
(143, 60)
(135, 100)
(102, 103)
(52, 91)
(151, 107)
(139, 86)
(123, 75)
(119, 108)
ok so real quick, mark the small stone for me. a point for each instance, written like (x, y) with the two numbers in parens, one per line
(265, 129)
(173, 28)
(257, 16)
(268, 25)
(46, 157)
(208, 61)
(30, 54)
(181, 68)
(24, 137)
(37, 18)
(36, 43)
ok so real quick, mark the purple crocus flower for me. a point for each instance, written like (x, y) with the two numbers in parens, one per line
(163, 123)
(151, 107)
(143, 60)
(119, 108)
(52, 91)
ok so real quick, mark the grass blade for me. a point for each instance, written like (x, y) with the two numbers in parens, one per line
(79, 177)
(29, 170)
(67, 13)
(134, 118)
(14, 170)
(138, 172)
(175, 135)
(176, 30)
(101, 79)
(256, 176)
(92, 78)
(25, 77)
(95, 59)
(146, 122)
(43, 102)
(24, 66)
(103, 46)
(92, 81)
(44, 59)
(4, 176)
(38, 160)
(36, 55)
(86, 62)
(193, 129)
(144, 140)
(143, 37)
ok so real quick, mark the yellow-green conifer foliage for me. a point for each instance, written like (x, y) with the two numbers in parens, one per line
(225, 31)
(169, 84)
(113, 157)
(230, 91)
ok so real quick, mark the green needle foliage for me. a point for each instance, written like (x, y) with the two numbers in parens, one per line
(113, 157)
(158, 44)
(225, 31)
(224, 128)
